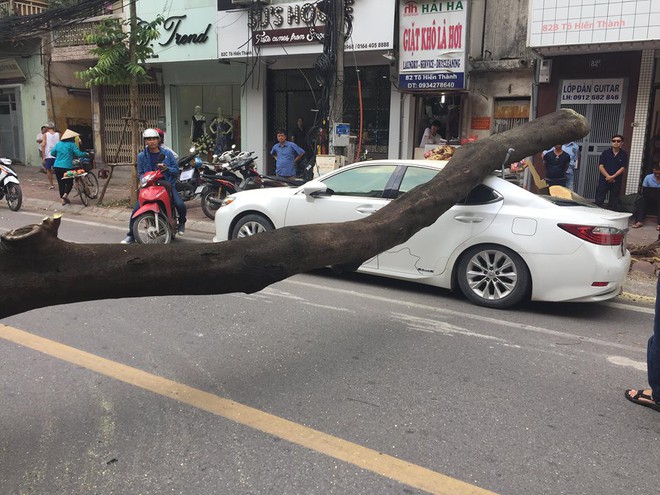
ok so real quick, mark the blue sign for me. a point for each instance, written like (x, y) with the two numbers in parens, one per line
(433, 81)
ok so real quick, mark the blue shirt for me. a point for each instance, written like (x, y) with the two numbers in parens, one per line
(649, 181)
(286, 155)
(147, 162)
(64, 153)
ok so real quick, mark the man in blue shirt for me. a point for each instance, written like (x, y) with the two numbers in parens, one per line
(611, 167)
(149, 160)
(650, 198)
(286, 154)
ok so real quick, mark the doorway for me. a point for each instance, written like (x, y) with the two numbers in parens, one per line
(10, 143)
(606, 119)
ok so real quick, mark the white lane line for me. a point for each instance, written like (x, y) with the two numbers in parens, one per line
(628, 307)
(485, 319)
(624, 361)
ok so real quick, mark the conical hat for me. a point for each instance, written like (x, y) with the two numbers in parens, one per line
(68, 134)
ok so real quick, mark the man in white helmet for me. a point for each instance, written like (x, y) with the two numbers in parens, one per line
(150, 160)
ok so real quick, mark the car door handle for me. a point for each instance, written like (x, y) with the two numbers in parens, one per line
(468, 218)
(366, 209)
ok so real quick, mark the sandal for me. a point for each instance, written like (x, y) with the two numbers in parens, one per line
(642, 399)
(636, 225)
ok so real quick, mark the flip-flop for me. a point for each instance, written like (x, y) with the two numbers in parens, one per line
(637, 225)
(647, 402)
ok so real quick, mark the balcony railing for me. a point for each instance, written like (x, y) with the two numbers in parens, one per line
(24, 7)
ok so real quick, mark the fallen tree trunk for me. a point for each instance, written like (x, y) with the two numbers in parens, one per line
(39, 270)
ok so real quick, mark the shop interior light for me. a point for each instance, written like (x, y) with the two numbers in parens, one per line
(442, 99)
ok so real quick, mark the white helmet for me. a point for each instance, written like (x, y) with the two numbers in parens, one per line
(150, 133)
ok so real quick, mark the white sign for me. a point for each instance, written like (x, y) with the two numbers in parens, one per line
(575, 22)
(188, 34)
(432, 43)
(278, 29)
(591, 91)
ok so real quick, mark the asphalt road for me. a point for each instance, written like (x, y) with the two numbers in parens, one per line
(323, 384)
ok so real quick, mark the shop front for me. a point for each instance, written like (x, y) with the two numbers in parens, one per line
(282, 43)
(601, 65)
(203, 95)
(603, 88)
(432, 72)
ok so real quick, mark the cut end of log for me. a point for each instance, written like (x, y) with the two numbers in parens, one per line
(49, 226)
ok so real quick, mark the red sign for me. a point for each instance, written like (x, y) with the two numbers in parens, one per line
(480, 123)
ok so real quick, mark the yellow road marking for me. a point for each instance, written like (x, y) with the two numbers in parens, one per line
(362, 457)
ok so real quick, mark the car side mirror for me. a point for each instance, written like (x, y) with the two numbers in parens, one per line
(314, 189)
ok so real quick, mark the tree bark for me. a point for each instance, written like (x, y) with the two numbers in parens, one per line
(39, 270)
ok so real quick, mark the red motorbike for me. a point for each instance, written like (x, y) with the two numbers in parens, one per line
(155, 221)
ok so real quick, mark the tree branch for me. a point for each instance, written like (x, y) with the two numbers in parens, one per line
(39, 269)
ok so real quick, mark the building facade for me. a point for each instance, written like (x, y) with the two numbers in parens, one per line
(601, 59)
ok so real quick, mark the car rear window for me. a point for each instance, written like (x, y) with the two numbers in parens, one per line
(579, 201)
(480, 195)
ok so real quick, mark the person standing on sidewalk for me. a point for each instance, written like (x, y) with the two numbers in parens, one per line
(40, 139)
(287, 155)
(651, 397)
(64, 152)
(611, 167)
(50, 139)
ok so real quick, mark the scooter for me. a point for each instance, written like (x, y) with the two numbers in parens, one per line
(9, 186)
(229, 182)
(191, 166)
(155, 221)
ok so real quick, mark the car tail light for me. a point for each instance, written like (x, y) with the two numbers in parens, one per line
(603, 236)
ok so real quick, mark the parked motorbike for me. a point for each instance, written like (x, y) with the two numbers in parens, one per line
(10, 188)
(237, 173)
(191, 167)
(155, 221)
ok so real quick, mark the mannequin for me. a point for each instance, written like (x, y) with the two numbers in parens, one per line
(198, 127)
(221, 127)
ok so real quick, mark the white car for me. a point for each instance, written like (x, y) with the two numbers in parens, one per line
(500, 245)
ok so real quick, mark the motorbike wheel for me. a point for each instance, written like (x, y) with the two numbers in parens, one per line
(146, 232)
(14, 196)
(209, 208)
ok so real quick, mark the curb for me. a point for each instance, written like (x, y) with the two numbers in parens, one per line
(120, 215)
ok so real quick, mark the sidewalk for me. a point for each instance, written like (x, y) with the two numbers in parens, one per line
(116, 205)
(639, 286)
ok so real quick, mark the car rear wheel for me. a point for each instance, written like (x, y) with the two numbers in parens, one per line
(493, 276)
(250, 225)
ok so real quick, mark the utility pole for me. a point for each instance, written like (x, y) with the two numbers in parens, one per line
(133, 103)
(337, 100)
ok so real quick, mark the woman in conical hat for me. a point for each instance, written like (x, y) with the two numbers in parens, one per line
(64, 152)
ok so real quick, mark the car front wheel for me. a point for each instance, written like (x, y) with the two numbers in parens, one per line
(493, 276)
(250, 225)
